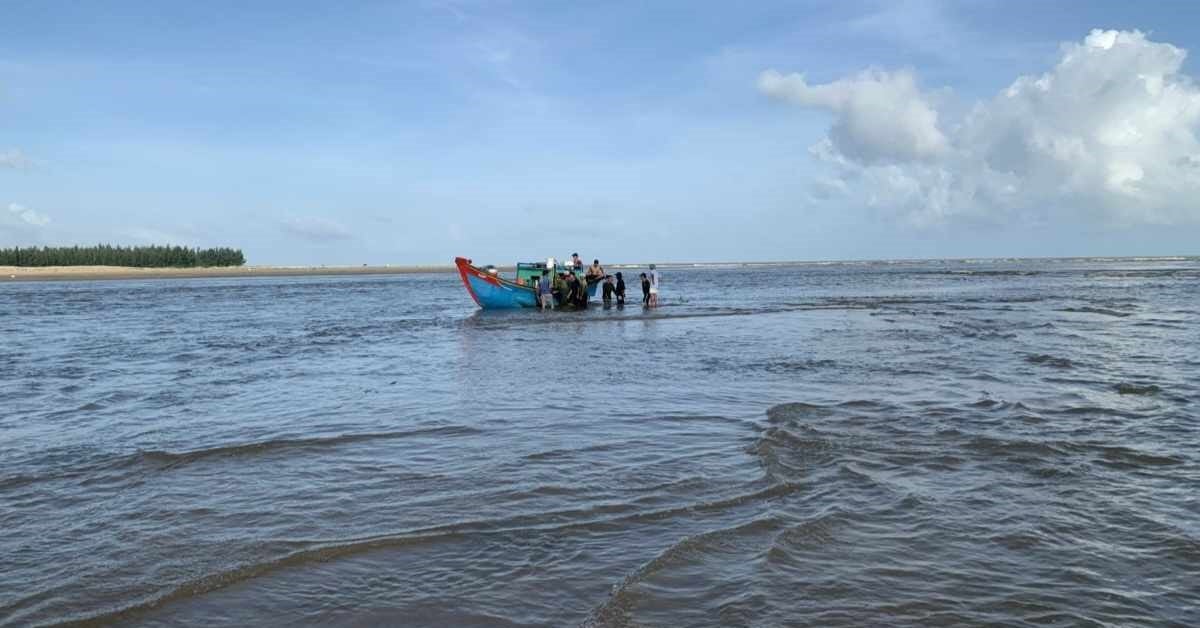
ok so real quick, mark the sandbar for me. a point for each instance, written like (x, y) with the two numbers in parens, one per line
(75, 273)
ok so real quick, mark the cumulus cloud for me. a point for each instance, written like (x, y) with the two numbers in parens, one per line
(316, 229)
(1109, 133)
(881, 116)
(28, 216)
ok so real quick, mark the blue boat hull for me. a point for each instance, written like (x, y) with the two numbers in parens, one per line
(498, 296)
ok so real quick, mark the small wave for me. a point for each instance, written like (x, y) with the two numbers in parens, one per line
(1096, 310)
(1137, 389)
(1050, 360)
(796, 444)
(169, 459)
(695, 418)
(794, 366)
(92, 467)
(1095, 411)
(985, 273)
(798, 413)
(976, 331)
(1013, 447)
(819, 531)
(987, 403)
(300, 552)
(1017, 541)
(557, 454)
(771, 492)
(1121, 457)
(337, 331)
(617, 609)
(17, 481)
(1115, 456)
(792, 412)
(1054, 472)
(1160, 324)
(783, 454)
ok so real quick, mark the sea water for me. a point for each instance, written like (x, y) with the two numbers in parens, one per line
(1009, 442)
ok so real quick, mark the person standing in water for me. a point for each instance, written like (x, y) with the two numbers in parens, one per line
(576, 293)
(558, 287)
(544, 291)
(645, 290)
(620, 290)
(653, 287)
(609, 288)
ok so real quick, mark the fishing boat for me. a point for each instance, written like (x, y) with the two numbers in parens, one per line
(493, 292)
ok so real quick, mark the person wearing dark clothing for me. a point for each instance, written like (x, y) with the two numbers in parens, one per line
(576, 294)
(560, 290)
(609, 288)
(620, 290)
(645, 289)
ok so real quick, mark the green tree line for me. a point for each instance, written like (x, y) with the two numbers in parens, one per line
(134, 256)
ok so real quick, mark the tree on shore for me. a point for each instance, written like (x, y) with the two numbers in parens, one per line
(130, 256)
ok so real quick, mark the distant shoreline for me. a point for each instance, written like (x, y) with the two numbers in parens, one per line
(84, 273)
(98, 273)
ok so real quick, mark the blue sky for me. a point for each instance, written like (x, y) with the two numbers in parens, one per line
(414, 132)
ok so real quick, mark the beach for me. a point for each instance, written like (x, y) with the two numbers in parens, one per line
(83, 273)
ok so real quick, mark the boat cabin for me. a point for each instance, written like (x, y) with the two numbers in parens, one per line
(530, 272)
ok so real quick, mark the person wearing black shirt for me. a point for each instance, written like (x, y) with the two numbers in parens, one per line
(576, 291)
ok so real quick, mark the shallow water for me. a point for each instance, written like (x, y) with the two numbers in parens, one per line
(936, 443)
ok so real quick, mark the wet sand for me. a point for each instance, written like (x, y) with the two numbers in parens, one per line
(75, 273)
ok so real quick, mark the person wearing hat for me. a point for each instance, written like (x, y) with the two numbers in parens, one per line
(653, 276)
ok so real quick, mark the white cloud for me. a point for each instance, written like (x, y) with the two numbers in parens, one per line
(28, 216)
(881, 116)
(316, 229)
(1109, 133)
(13, 158)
